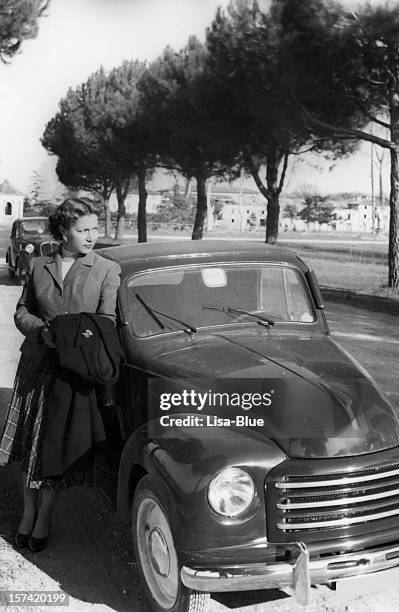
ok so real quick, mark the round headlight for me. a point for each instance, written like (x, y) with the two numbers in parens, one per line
(231, 492)
(29, 248)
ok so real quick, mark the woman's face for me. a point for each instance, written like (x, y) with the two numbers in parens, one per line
(81, 237)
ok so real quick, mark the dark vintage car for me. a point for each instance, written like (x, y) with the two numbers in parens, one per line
(30, 237)
(294, 483)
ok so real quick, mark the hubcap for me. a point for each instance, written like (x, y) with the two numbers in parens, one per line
(159, 552)
(158, 558)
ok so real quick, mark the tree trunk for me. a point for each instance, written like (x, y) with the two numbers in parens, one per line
(120, 224)
(273, 197)
(210, 220)
(273, 189)
(273, 209)
(200, 215)
(393, 249)
(141, 216)
(107, 214)
(105, 193)
(273, 213)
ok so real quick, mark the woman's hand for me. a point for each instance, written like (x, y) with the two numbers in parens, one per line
(47, 337)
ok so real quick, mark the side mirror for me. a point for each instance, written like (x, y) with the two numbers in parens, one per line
(315, 289)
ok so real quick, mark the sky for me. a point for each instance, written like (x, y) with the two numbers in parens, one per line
(76, 38)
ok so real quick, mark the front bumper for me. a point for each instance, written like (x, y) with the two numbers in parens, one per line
(298, 575)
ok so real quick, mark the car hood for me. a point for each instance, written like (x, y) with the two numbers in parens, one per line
(324, 403)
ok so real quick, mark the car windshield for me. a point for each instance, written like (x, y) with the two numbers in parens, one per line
(216, 295)
(34, 226)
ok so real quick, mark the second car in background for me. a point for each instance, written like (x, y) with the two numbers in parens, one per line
(30, 237)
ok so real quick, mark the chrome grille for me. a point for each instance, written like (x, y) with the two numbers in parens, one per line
(47, 248)
(334, 501)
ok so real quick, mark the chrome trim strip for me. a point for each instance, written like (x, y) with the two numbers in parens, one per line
(337, 522)
(343, 501)
(283, 574)
(339, 481)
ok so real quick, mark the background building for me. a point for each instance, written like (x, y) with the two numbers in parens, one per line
(11, 203)
(357, 216)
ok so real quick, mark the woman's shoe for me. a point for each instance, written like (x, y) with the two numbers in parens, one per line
(21, 540)
(37, 544)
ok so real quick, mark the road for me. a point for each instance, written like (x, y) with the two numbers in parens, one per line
(90, 556)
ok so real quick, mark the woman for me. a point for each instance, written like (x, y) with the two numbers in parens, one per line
(73, 280)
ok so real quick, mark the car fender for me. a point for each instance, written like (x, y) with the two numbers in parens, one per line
(10, 259)
(182, 464)
(135, 463)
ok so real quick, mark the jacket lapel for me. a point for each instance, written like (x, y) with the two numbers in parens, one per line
(53, 265)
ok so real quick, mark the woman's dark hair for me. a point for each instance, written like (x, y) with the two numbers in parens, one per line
(67, 213)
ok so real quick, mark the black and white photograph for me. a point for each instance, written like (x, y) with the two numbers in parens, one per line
(199, 302)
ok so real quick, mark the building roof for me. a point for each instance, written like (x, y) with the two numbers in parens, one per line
(9, 189)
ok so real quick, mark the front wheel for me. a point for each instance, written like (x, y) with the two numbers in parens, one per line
(157, 558)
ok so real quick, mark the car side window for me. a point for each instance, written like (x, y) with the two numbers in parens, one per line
(299, 307)
(283, 295)
(14, 230)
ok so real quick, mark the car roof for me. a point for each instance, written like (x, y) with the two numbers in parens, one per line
(33, 219)
(136, 257)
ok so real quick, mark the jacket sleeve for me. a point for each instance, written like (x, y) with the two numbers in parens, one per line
(109, 289)
(26, 315)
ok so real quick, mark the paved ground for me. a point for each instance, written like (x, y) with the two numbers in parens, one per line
(90, 556)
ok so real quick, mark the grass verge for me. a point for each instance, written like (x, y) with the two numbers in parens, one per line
(366, 278)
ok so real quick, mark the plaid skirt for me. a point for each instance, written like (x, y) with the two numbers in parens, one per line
(22, 436)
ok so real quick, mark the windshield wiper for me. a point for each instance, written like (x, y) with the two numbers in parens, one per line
(262, 319)
(189, 329)
(150, 311)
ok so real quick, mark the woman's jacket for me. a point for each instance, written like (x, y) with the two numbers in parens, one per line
(90, 285)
